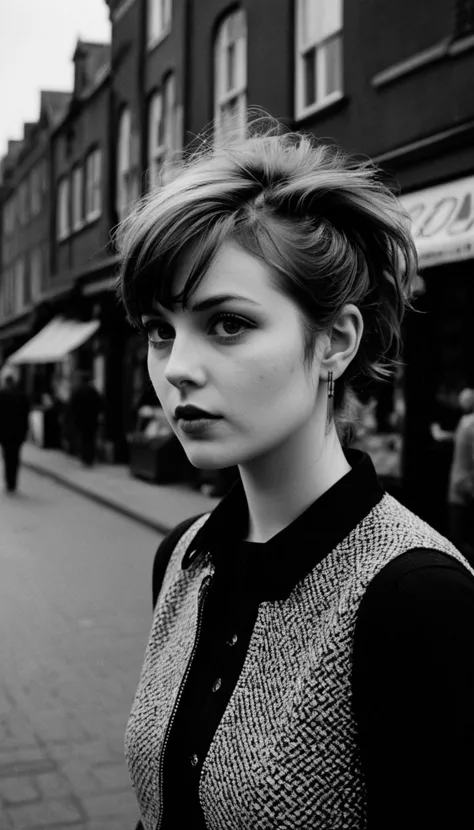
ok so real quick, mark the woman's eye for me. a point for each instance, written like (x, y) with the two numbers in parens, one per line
(231, 321)
(232, 327)
(154, 332)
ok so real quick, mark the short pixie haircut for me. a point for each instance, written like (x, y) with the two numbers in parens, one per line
(329, 229)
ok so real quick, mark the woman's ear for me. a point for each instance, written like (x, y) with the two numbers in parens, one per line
(343, 341)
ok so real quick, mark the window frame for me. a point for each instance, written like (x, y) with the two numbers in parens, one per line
(161, 13)
(127, 175)
(19, 278)
(77, 198)
(224, 96)
(63, 216)
(161, 155)
(319, 44)
(124, 160)
(36, 272)
(93, 185)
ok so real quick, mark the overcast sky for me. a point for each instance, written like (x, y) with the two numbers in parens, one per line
(37, 42)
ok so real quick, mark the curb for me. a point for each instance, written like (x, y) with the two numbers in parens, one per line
(98, 498)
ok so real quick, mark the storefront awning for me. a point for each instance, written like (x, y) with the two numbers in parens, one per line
(443, 221)
(58, 339)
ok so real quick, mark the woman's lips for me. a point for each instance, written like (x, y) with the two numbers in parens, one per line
(193, 426)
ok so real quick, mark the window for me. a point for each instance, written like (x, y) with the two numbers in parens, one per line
(230, 78)
(63, 222)
(164, 141)
(127, 180)
(159, 20)
(93, 185)
(35, 281)
(20, 289)
(318, 54)
(77, 198)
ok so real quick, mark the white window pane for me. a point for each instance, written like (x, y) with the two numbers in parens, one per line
(230, 66)
(169, 113)
(93, 184)
(230, 69)
(124, 140)
(77, 184)
(241, 69)
(63, 209)
(220, 71)
(154, 116)
(318, 19)
(333, 65)
(232, 120)
(159, 18)
(331, 16)
(167, 13)
(236, 26)
(309, 21)
(153, 19)
(124, 162)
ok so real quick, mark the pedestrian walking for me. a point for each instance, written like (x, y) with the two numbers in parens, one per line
(461, 479)
(14, 415)
(310, 660)
(85, 407)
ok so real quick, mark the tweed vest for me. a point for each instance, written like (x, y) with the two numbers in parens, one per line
(285, 754)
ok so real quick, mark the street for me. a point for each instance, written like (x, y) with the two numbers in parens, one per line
(75, 611)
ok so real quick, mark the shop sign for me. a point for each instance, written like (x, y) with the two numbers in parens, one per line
(443, 221)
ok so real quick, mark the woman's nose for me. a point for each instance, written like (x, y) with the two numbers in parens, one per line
(184, 363)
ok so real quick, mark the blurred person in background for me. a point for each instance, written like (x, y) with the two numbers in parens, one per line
(310, 660)
(85, 408)
(14, 415)
(461, 480)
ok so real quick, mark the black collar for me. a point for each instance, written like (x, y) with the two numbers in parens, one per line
(312, 535)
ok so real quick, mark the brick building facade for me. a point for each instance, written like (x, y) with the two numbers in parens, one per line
(25, 207)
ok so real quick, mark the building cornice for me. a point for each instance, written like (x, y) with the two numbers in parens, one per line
(451, 137)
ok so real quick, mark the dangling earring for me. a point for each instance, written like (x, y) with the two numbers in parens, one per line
(330, 402)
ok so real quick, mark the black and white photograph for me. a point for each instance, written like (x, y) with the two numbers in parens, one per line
(236, 568)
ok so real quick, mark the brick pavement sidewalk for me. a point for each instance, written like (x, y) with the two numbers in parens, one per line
(158, 506)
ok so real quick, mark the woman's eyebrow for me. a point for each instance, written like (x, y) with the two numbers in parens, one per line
(210, 302)
(207, 303)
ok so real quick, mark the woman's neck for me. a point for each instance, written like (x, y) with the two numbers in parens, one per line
(281, 486)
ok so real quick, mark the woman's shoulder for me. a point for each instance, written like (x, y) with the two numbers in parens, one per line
(418, 591)
(386, 541)
(399, 525)
(167, 546)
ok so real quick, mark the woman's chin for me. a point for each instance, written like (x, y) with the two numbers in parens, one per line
(208, 459)
(209, 463)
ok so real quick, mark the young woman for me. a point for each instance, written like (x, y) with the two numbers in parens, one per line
(310, 663)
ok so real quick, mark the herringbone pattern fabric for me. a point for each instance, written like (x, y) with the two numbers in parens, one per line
(166, 656)
(285, 753)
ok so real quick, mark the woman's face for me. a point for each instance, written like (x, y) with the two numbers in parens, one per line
(246, 368)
